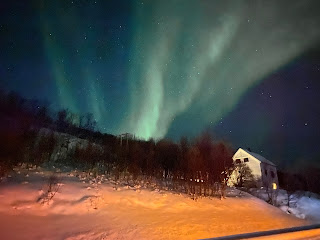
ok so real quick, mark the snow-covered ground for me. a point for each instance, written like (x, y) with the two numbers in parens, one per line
(87, 208)
(304, 205)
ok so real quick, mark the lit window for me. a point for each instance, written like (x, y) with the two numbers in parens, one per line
(238, 161)
(246, 160)
(274, 186)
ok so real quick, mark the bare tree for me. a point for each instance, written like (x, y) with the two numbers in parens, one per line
(244, 175)
(90, 122)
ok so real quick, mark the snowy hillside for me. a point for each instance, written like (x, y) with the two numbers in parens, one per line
(91, 208)
(304, 205)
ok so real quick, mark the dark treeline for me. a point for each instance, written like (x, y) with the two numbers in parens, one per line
(193, 167)
(20, 121)
(200, 166)
(18, 113)
(307, 179)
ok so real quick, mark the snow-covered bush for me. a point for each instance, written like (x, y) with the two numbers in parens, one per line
(50, 190)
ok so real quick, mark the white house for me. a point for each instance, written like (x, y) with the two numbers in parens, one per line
(263, 170)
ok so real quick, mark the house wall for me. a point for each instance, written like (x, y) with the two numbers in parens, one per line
(269, 175)
(264, 174)
(253, 164)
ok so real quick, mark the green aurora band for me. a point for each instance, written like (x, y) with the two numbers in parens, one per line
(195, 57)
(200, 58)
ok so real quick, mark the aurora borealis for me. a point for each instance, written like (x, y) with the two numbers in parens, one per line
(201, 57)
(169, 68)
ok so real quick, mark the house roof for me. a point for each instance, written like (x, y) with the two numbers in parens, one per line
(259, 157)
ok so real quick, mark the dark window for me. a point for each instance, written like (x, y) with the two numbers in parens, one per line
(238, 161)
(266, 172)
(246, 160)
(272, 174)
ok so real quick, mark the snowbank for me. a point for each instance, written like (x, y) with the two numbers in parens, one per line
(304, 205)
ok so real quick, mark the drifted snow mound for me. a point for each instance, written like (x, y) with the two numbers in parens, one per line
(304, 205)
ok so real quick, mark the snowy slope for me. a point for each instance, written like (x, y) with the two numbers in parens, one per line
(304, 205)
(86, 208)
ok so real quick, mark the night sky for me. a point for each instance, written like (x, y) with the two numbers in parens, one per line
(248, 71)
